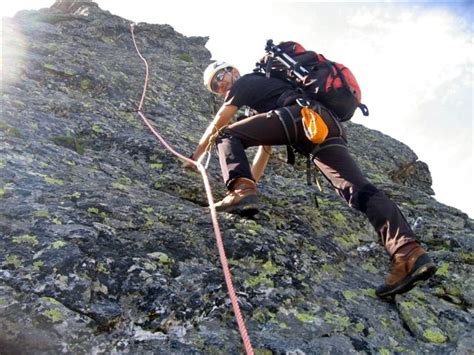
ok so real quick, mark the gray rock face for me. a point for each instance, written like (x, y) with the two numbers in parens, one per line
(106, 242)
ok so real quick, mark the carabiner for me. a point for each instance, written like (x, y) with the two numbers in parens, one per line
(200, 160)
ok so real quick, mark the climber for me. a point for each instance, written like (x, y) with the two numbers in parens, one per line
(277, 125)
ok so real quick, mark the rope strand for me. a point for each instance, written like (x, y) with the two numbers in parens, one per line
(215, 223)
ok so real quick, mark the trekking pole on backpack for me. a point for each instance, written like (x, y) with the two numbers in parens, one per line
(277, 53)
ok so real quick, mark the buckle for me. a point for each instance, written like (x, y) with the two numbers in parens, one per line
(303, 102)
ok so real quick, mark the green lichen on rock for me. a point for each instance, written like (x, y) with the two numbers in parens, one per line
(249, 226)
(341, 321)
(348, 241)
(14, 261)
(53, 181)
(53, 315)
(467, 257)
(422, 319)
(270, 268)
(263, 352)
(58, 244)
(69, 142)
(186, 58)
(51, 67)
(368, 266)
(162, 258)
(156, 166)
(443, 269)
(42, 213)
(262, 279)
(97, 129)
(148, 209)
(435, 335)
(120, 186)
(38, 264)
(338, 218)
(86, 84)
(13, 132)
(93, 210)
(349, 295)
(263, 315)
(305, 317)
(25, 239)
(359, 327)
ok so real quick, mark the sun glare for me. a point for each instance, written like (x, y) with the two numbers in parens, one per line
(13, 48)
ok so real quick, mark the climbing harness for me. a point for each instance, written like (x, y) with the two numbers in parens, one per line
(215, 223)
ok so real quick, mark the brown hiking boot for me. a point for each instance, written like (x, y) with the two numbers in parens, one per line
(411, 265)
(242, 200)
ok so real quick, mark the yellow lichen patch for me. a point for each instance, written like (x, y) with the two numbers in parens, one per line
(13, 260)
(435, 335)
(368, 266)
(58, 244)
(162, 258)
(53, 315)
(349, 295)
(25, 239)
(53, 181)
(119, 186)
(443, 270)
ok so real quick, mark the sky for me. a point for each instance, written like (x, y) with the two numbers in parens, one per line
(413, 62)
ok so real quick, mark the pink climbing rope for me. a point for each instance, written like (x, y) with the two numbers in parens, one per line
(215, 223)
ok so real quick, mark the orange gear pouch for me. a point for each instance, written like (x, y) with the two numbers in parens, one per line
(314, 126)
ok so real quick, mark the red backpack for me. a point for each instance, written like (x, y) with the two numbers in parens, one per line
(314, 77)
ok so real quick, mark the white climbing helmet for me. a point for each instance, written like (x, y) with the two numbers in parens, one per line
(211, 70)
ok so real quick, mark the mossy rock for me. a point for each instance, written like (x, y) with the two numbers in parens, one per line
(186, 58)
(69, 142)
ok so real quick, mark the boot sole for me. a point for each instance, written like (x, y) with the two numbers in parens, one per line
(247, 207)
(420, 275)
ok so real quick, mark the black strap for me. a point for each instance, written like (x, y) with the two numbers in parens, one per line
(330, 142)
(282, 117)
(340, 74)
(293, 120)
(309, 176)
(268, 69)
(288, 121)
(290, 155)
(308, 170)
(364, 109)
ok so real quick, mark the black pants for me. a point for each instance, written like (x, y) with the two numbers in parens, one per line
(332, 159)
